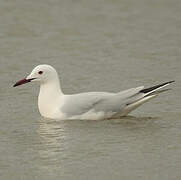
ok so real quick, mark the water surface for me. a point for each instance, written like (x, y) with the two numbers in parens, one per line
(95, 46)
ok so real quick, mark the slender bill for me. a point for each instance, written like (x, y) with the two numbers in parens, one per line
(23, 81)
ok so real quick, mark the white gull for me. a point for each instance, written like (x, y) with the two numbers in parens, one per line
(53, 103)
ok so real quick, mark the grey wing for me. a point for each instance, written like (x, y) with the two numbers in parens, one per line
(120, 100)
(78, 104)
(99, 101)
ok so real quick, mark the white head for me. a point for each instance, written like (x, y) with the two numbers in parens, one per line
(43, 73)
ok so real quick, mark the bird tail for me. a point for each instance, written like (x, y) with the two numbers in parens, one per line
(148, 94)
(156, 88)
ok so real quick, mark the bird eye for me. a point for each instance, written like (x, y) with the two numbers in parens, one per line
(40, 72)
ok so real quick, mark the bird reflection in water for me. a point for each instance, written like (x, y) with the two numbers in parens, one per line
(52, 137)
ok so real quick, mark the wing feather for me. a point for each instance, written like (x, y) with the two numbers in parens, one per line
(78, 104)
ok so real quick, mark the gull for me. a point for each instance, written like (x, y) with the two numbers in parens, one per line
(54, 104)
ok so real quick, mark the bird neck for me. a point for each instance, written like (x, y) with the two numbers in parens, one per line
(49, 97)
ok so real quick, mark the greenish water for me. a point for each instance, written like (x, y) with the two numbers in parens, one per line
(95, 46)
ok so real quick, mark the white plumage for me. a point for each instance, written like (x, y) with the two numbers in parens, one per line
(53, 103)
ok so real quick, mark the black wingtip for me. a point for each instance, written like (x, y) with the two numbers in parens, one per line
(155, 87)
(170, 82)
